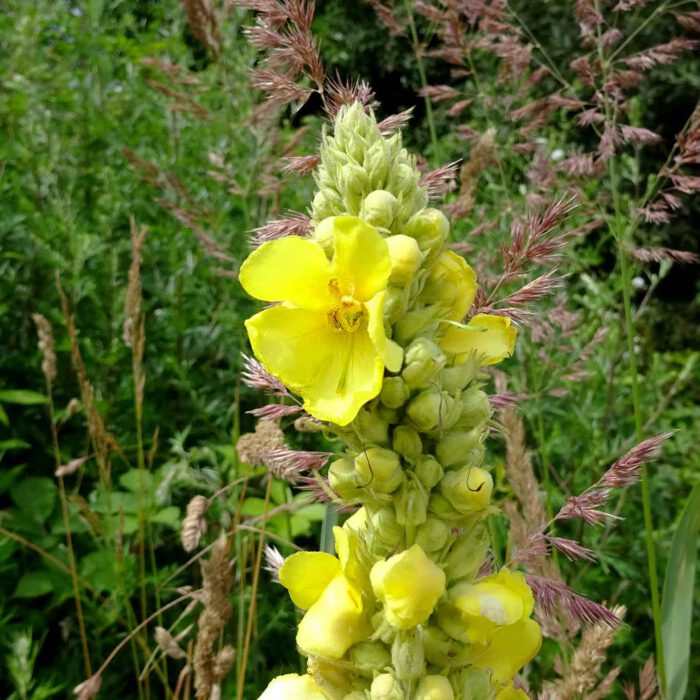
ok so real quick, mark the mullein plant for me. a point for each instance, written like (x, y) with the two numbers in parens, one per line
(367, 326)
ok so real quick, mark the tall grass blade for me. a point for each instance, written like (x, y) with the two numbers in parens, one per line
(678, 598)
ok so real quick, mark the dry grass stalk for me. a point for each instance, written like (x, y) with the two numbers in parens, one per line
(581, 675)
(134, 322)
(204, 24)
(648, 684)
(169, 644)
(102, 441)
(218, 580)
(194, 525)
(254, 448)
(46, 347)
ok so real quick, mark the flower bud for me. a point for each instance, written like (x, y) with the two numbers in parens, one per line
(395, 303)
(432, 534)
(406, 258)
(451, 284)
(395, 392)
(414, 323)
(467, 554)
(460, 447)
(407, 657)
(327, 202)
(343, 479)
(370, 656)
(428, 471)
(476, 409)
(472, 683)
(293, 687)
(441, 650)
(323, 234)
(403, 180)
(411, 502)
(434, 688)
(439, 506)
(379, 209)
(409, 584)
(433, 410)
(376, 163)
(386, 527)
(386, 687)
(407, 442)
(459, 376)
(390, 415)
(423, 361)
(468, 489)
(430, 228)
(379, 468)
(371, 427)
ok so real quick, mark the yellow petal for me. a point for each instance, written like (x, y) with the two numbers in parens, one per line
(290, 269)
(409, 584)
(334, 622)
(451, 285)
(492, 338)
(511, 693)
(361, 261)
(292, 687)
(306, 574)
(292, 344)
(347, 546)
(347, 379)
(390, 352)
(508, 650)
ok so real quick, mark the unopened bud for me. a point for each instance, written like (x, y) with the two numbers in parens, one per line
(379, 209)
(370, 656)
(407, 443)
(395, 392)
(407, 655)
(403, 180)
(476, 409)
(323, 234)
(379, 469)
(406, 258)
(386, 687)
(439, 506)
(423, 361)
(433, 410)
(432, 535)
(451, 285)
(386, 527)
(467, 554)
(342, 478)
(434, 688)
(428, 471)
(468, 489)
(430, 228)
(455, 378)
(441, 650)
(373, 429)
(327, 202)
(411, 502)
(377, 163)
(460, 447)
(395, 303)
(414, 323)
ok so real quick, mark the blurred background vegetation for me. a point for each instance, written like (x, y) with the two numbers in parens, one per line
(94, 131)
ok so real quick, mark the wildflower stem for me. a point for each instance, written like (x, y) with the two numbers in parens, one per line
(423, 79)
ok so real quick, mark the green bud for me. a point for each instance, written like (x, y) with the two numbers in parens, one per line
(407, 442)
(386, 527)
(390, 415)
(468, 489)
(430, 228)
(432, 534)
(378, 468)
(429, 471)
(379, 209)
(476, 409)
(433, 410)
(370, 656)
(395, 392)
(386, 687)
(377, 163)
(473, 683)
(323, 234)
(441, 650)
(327, 202)
(455, 378)
(369, 425)
(461, 447)
(451, 623)
(434, 688)
(411, 502)
(439, 506)
(413, 323)
(407, 655)
(423, 361)
(357, 695)
(395, 303)
(467, 554)
(403, 180)
(406, 258)
(343, 479)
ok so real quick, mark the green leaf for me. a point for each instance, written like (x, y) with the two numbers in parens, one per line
(14, 444)
(35, 497)
(3, 417)
(170, 515)
(677, 613)
(23, 397)
(33, 585)
(137, 481)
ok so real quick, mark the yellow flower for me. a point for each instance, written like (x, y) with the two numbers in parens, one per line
(493, 601)
(490, 338)
(511, 693)
(326, 339)
(292, 687)
(451, 284)
(329, 589)
(409, 584)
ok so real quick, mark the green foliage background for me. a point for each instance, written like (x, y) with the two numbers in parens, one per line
(74, 94)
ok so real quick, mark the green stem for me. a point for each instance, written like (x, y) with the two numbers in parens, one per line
(423, 80)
